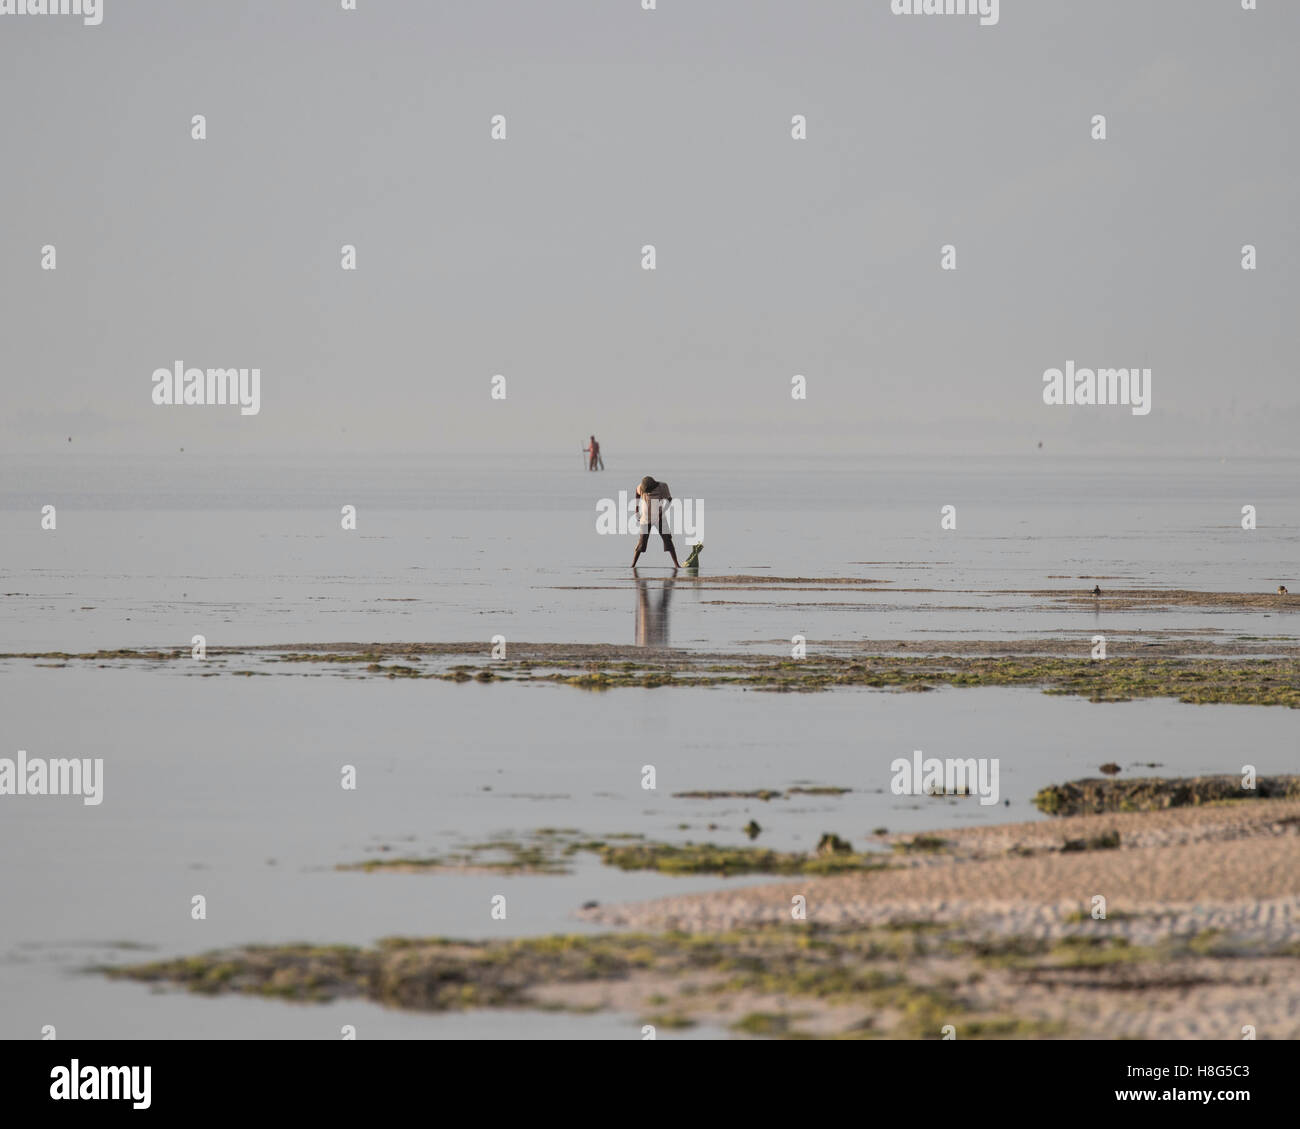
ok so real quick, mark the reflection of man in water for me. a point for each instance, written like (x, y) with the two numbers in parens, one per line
(652, 621)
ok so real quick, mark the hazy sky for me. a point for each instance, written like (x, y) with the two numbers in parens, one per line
(670, 127)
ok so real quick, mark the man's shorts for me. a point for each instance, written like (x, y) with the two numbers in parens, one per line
(644, 529)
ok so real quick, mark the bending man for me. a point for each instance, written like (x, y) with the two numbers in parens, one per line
(652, 500)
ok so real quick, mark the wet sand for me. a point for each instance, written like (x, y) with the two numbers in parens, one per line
(1244, 670)
(1117, 599)
(1233, 853)
(1001, 936)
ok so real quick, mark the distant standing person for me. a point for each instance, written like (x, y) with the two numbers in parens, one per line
(595, 455)
(652, 500)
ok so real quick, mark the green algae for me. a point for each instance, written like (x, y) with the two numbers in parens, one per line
(1106, 841)
(764, 794)
(1096, 795)
(670, 1021)
(1011, 1027)
(1221, 679)
(763, 1023)
(546, 852)
(707, 858)
(856, 976)
(922, 844)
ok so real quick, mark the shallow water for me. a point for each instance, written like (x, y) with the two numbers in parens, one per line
(230, 787)
(149, 552)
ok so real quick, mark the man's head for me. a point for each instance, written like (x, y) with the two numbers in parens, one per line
(646, 485)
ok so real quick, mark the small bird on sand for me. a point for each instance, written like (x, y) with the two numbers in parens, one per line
(1096, 589)
(1281, 589)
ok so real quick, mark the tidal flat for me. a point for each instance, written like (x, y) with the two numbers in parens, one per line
(549, 851)
(1000, 939)
(223, 772)
(1245, 670)
(515, 765)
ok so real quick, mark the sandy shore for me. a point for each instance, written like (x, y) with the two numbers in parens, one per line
(1195, 899)
(1207, 865)
(998, 936)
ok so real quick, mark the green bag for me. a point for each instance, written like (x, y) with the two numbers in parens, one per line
(693, 561)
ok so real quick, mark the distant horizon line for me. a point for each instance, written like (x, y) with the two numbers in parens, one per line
(1087, 454)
